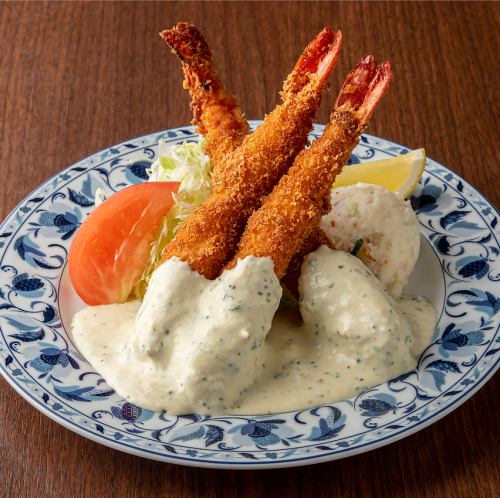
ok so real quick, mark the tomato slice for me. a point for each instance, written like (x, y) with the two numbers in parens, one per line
(112, 246)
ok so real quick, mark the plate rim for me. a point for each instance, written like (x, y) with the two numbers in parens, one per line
(198, 461)
(299, 462)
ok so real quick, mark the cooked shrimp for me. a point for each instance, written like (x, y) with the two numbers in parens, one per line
(269, 151)
(215, 111)
(208, 238)
(294, 208)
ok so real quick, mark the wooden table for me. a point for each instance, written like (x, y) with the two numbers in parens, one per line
(77, 77)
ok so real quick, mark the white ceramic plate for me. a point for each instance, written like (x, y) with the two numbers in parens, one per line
(458, 271)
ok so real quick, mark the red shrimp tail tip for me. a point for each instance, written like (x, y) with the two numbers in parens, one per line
(189, 45)
(318, 59)
(378, 87)
(327, 61)
(364, 87)
(320, 48)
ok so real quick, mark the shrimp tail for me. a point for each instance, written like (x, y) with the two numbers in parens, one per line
(363, 88)
(284, 132)
(209, 237)
(318, 58)
(215, 111)
(294, 208)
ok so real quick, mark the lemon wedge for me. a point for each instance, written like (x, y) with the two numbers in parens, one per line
(399, 174)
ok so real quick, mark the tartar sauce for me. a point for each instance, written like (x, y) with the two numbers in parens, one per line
(221, 346)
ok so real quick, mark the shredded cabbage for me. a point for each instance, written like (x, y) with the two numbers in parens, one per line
(188, 164)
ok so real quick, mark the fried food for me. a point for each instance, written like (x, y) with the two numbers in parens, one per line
(294, 208)
(208, 239)
(215, 111)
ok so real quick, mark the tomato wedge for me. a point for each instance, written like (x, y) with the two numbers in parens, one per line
(112, 246)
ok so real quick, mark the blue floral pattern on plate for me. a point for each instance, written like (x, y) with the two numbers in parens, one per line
(39, 360)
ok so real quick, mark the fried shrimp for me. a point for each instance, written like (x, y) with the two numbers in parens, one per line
(294, 208)
(215, 111)
(209, 237)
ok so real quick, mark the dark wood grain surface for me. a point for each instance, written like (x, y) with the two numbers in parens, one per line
(77, 77)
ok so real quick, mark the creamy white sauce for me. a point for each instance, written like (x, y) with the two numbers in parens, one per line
(219, 346)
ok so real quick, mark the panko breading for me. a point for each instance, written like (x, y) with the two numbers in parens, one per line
(208, 239)
(215, 111)
(294, 208)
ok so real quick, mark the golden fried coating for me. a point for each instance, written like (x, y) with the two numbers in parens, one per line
(209, 237)
(301, 95)
(223, 125)
(268, 152)
(215, 111)
(294, 208)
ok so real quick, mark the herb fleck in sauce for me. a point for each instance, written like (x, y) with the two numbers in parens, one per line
(220, 346)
